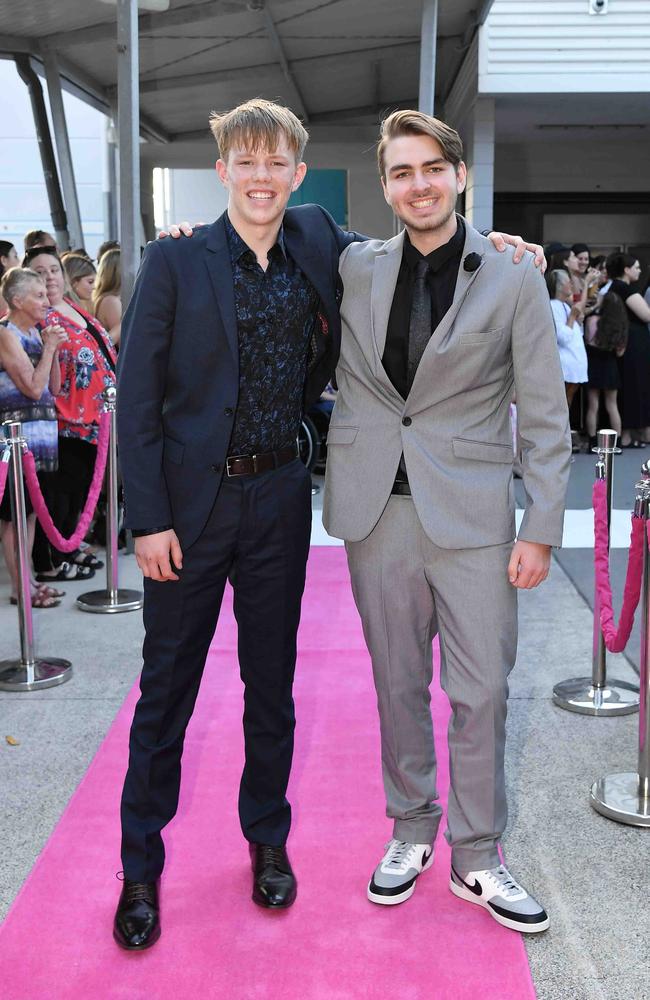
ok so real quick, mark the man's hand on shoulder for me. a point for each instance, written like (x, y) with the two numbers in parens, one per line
(529, 564)
(159, 555)
(182, 229)
(500, 240)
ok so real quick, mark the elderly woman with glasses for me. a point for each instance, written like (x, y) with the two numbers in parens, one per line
(29, 380)
(87, 369)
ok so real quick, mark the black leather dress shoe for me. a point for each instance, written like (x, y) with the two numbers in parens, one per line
(137, 918)
(274, 884)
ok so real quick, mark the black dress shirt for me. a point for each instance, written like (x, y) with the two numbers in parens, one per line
(276, 311)
(443, 272)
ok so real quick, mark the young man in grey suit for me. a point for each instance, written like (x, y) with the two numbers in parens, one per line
(438, 330)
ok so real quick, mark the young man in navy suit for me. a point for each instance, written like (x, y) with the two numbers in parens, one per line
(228, 338)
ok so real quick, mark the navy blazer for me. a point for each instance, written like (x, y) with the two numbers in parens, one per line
(178, 370)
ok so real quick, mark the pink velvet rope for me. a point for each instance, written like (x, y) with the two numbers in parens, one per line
(4, 469)
(616, 638)
(40, 507)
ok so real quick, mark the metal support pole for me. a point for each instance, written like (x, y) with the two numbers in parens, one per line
(596, 695)
(111, 600)
(51, 64)
(625, 797)
(29, 673)
(109, 182)
(128, 120)
(428, 42)
(44, 139)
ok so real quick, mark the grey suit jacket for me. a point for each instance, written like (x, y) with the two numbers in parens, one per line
(454, 427)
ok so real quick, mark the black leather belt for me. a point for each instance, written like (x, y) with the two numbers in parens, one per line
(252, 465)
(401, 489)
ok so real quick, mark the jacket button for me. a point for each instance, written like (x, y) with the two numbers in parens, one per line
(407, 421)
(216, 468)
(228, 411)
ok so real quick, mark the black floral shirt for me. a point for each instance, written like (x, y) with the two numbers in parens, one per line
(276, 311)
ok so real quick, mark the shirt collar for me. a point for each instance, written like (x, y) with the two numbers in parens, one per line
(238, 247)
(439, 257)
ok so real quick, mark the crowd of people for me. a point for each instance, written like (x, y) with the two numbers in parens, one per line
(60, 320)
(601, 320)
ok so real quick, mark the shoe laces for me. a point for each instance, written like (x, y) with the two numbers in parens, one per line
(271, 855)
(136, 891)
(399, 857)
(503, 881)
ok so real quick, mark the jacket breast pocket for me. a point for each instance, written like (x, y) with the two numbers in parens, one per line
(482, 451)
(341, 435)
(482, 336)
(173, 451)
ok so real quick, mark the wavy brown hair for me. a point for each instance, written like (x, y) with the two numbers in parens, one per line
(109, 277)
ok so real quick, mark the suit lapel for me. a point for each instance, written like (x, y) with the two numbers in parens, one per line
(384, 279)
(473, 244)
(217, 260)
(310, 261)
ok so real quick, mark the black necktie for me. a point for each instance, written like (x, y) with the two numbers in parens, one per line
(420, 323)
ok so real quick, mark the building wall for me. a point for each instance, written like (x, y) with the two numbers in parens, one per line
(195, 193)
(573, 164)
(557, 46)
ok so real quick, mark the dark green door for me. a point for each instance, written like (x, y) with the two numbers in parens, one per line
(328, 188)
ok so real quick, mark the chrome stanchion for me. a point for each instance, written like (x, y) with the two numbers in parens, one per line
(113, 599)
(625, 797)
(29, 673)
(597, 695)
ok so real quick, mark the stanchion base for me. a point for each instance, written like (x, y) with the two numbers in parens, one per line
(15, 676)
(579, 695)
(99, 602)
(617, 797)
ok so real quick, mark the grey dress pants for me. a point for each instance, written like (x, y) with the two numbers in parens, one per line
(407, 590)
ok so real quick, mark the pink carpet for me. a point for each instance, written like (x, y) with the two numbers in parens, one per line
(333, 944)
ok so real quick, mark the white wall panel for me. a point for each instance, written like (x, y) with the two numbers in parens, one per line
(556, 46)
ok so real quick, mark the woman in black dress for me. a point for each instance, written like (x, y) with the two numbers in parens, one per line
(625, 270)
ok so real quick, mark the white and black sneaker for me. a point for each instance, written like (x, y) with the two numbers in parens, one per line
(508, 902)
(394, 878)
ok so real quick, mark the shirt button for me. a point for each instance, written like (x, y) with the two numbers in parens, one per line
(216, 468)
(407, 421)
(228, 411)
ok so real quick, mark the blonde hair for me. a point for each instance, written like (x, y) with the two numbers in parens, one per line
(417, 123)
(109, 277)
(15, 281)
(76, 266)
(258, 125)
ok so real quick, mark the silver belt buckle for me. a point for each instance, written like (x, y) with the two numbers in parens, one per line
(233, 458)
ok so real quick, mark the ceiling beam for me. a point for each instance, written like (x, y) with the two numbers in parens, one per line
(11, 44)
(250, 74)
(347, 118)
(327, 132)
(189, 14)
(377, 111)
(84, 86)
(276, 42)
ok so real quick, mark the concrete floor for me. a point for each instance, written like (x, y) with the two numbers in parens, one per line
(592, 874)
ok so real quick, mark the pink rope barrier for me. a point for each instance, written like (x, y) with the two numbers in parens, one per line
(4, 470)
(616, 638)
(40, 507)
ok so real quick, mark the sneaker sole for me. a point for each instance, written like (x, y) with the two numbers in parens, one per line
(512, 925)
(398, 897)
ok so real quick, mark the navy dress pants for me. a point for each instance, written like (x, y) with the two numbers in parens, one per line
(257, 537)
